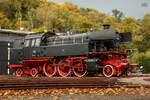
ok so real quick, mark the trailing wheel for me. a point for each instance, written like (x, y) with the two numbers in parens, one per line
(79, 68)
(19, 72)
(33, 72)
(49, 69)
(64, 69)
(108, 71)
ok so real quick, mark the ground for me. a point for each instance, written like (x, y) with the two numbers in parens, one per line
(97, 93)
(82, 97)
(121, 93)
(136, 80)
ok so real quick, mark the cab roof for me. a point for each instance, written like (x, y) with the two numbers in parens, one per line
(40, 35)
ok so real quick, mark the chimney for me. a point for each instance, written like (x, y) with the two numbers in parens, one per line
(106, 26)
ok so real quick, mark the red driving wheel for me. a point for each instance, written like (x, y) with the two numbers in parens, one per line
(79, 68)
(64, 69)
(49, 69)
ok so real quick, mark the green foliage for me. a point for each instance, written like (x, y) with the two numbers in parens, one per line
(4, 21)
(18, 10)
(142, 39)
(143, 59)
(117, 14)
(146, 64)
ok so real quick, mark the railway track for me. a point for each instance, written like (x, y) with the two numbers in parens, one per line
(57, 82)
(60, 82)
(45, 85)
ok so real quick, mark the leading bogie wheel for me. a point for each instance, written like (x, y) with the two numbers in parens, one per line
(79, 68)
(108, 70)
(33, 72)
(19, 72)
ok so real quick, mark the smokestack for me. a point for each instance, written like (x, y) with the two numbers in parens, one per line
(106, 26)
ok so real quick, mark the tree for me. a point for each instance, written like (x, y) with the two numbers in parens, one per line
(143, 44)
(18, 10)
(129, 24)
(117, 14)
(95, 18)
(4, 21)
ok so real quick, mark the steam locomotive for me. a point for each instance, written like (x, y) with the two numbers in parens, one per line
(70, 54)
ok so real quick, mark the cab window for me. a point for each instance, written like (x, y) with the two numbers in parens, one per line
(37, 42)
(33, 43)
(27, 42)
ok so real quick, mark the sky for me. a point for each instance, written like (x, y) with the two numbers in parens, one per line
(128, 7)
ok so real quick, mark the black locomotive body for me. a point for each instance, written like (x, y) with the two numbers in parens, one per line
(48, 53)
(50, 44)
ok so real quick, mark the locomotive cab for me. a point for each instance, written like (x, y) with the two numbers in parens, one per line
(16, 53)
